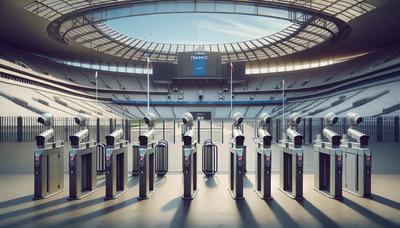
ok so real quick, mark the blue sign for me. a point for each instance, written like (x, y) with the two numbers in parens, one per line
(199, 65)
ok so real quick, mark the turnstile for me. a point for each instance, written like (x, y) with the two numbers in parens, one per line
(189, 160)
(48, 162)
(82, 168)
(146, 160)
(161, 157)
(210, 158)
(291, 161)
(328, 160)
(116, 165)
(237, 149)
(327, 169)
(263, 159)
(357, 160)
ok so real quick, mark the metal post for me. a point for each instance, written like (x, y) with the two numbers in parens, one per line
(98, 130)
(283, 108)
(222, 131)
(198, 131)
(96, 76)
(211, 133)
(163, 129)
(379, 129)
(396, 128)
(310, 129)
(174, 132)
(304, 130)
(148, 85)
(19, 129)
(231, 66)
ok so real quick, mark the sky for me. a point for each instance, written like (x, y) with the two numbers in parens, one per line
(197, 28)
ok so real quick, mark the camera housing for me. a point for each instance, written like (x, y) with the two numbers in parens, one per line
(237, 119)
(46, 136)
(334, 138)
(81, 135)
(46, 119)
(112, 138)
(264, 119)
(148, 136)
(150, 119)
(80, 119)
(295, 137)
(187, 119)
(354, 119)
(330, 119)
(262, 131)
(294, 119)
(187, 137)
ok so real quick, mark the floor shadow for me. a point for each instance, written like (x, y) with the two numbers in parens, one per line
(246, 216)
(283, 217)
(172, 204)
(95, 214)
(132, 181)
(210, 181)
(58, 211)
(160, 181)
(16, 201)
(369, 214)
(181, 214)
(385, 201)
(35, 208)
(324, 220)
(246, 182)
(101, 177)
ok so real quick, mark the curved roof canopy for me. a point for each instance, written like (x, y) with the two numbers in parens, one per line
(81, 22)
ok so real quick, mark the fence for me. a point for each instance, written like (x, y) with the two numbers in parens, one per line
(19, 129)
(24, 129)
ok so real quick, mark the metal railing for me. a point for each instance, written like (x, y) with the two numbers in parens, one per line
(21, 129)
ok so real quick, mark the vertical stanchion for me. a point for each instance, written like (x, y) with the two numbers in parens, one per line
(97, 130)
(310, 126)
(163, 129)
(396, 128)
(198, 131)
(379, 129)
(174, 131)
(19, 129)
(222, 131)
(277, 130)
(1, 129)
(211, 129)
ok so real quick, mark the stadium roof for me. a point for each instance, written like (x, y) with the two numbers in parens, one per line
(358, 34)
(81, 22)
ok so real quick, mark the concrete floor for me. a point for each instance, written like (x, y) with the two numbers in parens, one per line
(212, 207)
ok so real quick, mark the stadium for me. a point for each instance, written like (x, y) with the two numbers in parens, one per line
(242, 113)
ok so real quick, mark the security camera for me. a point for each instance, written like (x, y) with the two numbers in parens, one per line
(237, 119)
(46, 119)
(149, 119)
(295, 137)
(148, 136)
(79, 137)
(334, 138)
(354, 119)
(294, 119)
(44, 137)
(112, 138)
(330, 119)
(187, 119)
(80, 119)
(265, 119)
